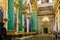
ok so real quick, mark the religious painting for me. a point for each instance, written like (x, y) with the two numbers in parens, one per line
(1, 15)
(25, 23)
(44, 1)
(49, 8)
(30, 25)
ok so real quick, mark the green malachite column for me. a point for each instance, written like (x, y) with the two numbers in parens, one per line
(20, 16)
(10, 15)
(34, 23)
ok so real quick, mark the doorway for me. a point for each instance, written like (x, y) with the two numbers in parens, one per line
(45, 30)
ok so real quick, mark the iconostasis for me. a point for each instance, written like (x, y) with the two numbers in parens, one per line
(20, 16)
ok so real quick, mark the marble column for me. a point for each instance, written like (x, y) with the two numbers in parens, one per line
(23, 22)
(33, 24)
(20, 16)
(58, 20)
(17, 20)
(11, 15)
(27, 23)
(36, 23)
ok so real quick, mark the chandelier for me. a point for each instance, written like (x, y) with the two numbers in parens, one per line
(45, 19)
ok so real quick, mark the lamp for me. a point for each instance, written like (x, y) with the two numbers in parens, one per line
(45, 19)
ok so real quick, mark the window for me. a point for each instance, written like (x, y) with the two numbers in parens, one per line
(51, 1)
(39, 1)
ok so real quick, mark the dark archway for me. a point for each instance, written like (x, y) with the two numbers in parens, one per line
(46, 30)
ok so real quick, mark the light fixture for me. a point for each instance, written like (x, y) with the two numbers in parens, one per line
(51, 1)
(39, 2)
(45, 19)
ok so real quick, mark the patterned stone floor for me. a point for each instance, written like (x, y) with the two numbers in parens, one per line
(38, 37)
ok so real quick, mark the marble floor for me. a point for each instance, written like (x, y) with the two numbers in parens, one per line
(37, 37)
